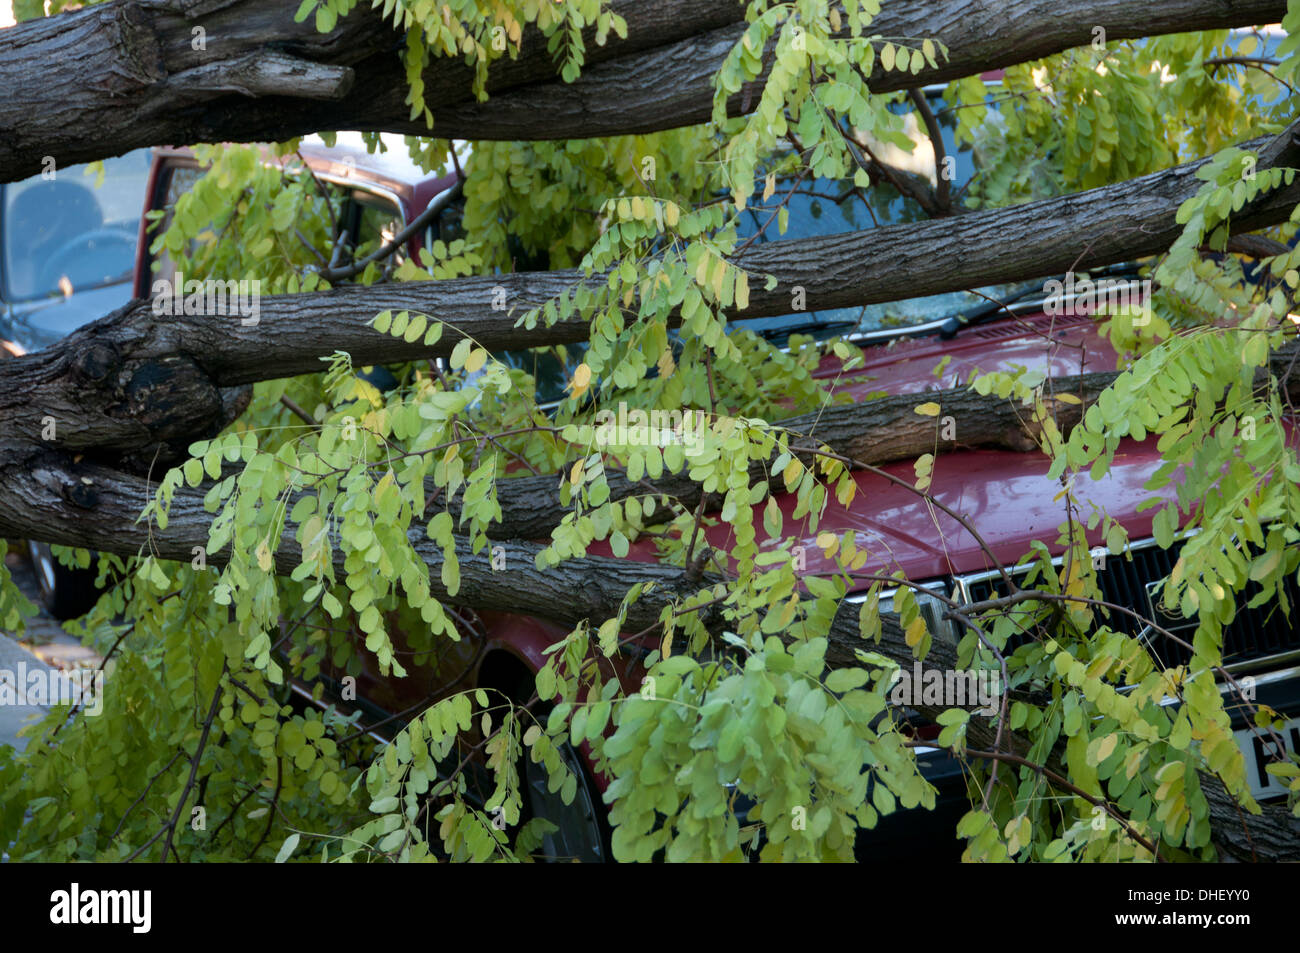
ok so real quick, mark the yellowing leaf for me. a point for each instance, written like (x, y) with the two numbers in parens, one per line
(928, 409)
(1074, 583)
(1265, 565)
(915, 632)
(717, 275)
(702, 270)
(460, 353)
(924, 469)
(581, 379)
(667, 366)
(1106, 747)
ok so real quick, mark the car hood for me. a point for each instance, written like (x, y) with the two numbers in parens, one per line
(1059, 346)
(1005, 495)
(36, 324)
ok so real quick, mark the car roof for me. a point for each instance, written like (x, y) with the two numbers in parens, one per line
(343, 162)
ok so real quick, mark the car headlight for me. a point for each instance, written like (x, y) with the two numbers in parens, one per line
(930, 598)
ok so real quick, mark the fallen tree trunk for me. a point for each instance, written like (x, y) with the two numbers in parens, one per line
(673, 85)
(98, 382)
(875, 432)
(187, 71)
(146, 389)
(88, 505)
(132, 70)
(1271, 837)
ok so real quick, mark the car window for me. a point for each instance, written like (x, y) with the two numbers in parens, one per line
(448, 226)
(180, 179)
(829, 207)
(369, 219)
(376, 221)
(67, 231)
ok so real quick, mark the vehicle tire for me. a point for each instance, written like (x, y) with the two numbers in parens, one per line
(67, 593)
(583, 833)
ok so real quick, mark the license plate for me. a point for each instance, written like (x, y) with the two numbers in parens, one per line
(1259, 749)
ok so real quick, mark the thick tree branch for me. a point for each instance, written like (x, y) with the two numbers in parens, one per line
(141, 384)
(87, 505)
(130, 70)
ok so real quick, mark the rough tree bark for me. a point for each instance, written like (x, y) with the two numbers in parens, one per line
(140, 386)
(131, 386)
(130, 70)
(84, 504)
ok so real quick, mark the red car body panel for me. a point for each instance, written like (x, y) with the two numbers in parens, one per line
(1061, 346)
(342, 166)
(1005, 494)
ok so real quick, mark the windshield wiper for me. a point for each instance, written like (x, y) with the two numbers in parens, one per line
(990, 310)
(786, 330)
(984, 312)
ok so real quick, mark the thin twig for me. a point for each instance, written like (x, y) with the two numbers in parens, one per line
(334, 273)
(194, 765)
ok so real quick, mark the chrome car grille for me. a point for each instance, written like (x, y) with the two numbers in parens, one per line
(1263, 632)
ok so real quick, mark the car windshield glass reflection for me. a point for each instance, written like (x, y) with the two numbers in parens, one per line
(69, 232)
(822, 207)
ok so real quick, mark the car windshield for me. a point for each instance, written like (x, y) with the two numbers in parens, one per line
(832, 207)
(70, 229)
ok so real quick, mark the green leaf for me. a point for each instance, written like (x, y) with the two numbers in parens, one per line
(845, 679)
(287, 848)
(460, 353)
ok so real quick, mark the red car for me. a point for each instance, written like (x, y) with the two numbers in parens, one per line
(1007, 495)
